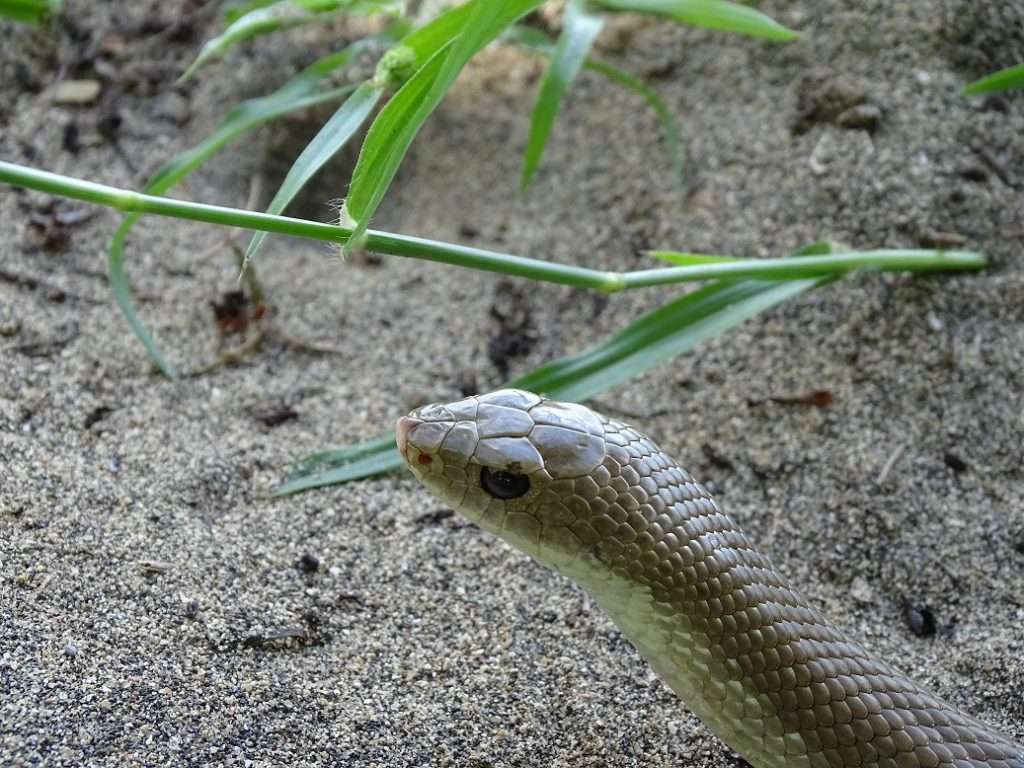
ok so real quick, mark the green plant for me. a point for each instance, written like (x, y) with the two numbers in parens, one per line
(29, 11)
(411, 77)
(1003, 80)
(416, 70)
(308, 88)
(736, 290)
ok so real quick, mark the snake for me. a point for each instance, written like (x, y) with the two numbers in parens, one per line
(597, 501)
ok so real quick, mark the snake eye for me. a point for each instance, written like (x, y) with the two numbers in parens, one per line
(503, 485)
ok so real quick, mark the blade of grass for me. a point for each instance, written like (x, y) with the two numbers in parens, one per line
(322, 460)
(669, 127)
(538, 41)
(579, 30)
(233, 126)
(430, 38)
(341, 465)
(902, 260)
(300, 92)
(262, 20)
(236, 9)
(239, 121)
(667, 331)
(712, 14)
(400, 120)
(427, 45)
(1003, 80)
(278, 16)
(687, 259)
(326, 144)
(29, 11)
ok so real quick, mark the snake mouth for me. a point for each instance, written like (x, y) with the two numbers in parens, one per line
(403, 427)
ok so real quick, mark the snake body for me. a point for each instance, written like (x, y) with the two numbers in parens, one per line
(766, 671)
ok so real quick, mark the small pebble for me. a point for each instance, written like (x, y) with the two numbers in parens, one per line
(76, 92)
(863, 117)
(861, 590)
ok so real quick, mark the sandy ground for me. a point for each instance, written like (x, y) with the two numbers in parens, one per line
(156, 608)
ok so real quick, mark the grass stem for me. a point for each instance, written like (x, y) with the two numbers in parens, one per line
(806, 266)
(483, 259)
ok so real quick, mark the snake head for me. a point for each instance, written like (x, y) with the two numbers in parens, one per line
(518, 465)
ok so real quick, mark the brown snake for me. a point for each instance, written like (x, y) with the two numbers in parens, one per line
(767, 672)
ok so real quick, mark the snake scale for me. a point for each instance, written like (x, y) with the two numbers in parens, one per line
(600, 503)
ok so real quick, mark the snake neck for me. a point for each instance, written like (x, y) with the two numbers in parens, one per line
(768, 673)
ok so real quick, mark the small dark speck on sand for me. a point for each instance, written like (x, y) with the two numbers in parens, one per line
(276, 416)
(919, 618)
(955, 463)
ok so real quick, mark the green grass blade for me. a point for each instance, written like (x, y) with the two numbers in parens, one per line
(670, 130)
(668, 331)
(538, 41)
(326, 144)
(262, 20)
(400, 121)
(122, 292)
(342, 465)
(29, 11)
(1003, 80)
(819, 248)
(427, 45)
(239, 121)
(298, 93)
(236, 9)
(335, 457)
(808, 265)
(430, 38)
(687, 259)
(385, 145)
(712, 14)
(265, 19)
(579, 30)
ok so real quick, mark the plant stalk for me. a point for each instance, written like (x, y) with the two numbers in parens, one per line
(380, 242)
(480, 258)
(807, 266)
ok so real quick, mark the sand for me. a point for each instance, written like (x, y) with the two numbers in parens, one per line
(158, 608)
